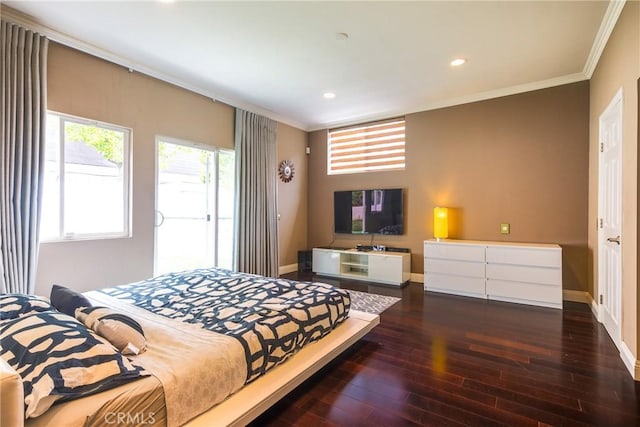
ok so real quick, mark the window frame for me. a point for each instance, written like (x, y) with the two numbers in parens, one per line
(127, 160)
(365, 128)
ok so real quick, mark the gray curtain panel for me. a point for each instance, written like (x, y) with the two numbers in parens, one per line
(256, 199)
(23, 80)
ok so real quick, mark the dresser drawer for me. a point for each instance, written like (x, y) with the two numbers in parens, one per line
(458, 268)
(520, 273)
(541, 257)
(460, 252)
(454, 284)
(529, 292)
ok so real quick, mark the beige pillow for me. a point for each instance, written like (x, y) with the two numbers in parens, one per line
(120, 330)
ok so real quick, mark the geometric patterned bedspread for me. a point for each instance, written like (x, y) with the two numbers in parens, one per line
(272, 318)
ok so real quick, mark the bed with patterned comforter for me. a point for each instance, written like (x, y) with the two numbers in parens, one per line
(209, 332)
(271, 318)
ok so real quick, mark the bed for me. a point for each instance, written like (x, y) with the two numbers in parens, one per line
(221, 347)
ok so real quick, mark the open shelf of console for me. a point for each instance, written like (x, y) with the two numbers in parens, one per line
(354, 264)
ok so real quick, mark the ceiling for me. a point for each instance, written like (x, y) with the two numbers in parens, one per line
(278, 58)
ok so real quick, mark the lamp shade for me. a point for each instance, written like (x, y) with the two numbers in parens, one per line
(440, 223)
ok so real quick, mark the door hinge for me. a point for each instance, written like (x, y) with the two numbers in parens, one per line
(208, 217)
(602, 147)
(600, 222)
(601, 299)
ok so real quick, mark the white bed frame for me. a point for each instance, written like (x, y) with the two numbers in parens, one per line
(253, 399)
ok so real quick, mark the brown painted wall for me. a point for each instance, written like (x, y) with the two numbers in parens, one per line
(521, 159)
(86, 86)
(292, 195)
(619, 67)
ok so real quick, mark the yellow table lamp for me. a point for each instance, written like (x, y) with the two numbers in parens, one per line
(440, 223)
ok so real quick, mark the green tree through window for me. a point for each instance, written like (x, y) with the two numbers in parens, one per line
(108, 142)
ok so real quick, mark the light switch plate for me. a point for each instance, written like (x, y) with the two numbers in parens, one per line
(505, 228)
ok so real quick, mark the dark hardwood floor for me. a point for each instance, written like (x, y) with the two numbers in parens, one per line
(442, 360)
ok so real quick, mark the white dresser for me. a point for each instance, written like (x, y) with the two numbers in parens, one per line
(526, 273)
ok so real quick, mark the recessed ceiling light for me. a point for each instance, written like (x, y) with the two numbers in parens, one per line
(458, 62)
(329, 95)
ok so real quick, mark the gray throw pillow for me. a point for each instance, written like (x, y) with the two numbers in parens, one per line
(123, 332)
(67, 300)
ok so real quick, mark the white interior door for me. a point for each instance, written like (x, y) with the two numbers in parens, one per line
(610, 218)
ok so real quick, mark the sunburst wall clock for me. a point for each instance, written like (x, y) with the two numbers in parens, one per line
(285, 170)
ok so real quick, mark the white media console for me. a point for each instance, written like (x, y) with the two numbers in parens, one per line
(392, 268)
(525, 273)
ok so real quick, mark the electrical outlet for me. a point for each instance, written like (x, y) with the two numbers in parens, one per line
(505, 228)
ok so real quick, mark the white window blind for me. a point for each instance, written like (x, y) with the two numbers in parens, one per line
(366, 148)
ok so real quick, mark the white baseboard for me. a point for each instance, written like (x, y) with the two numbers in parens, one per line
(284, 269)
(417, 277)
(630, 361)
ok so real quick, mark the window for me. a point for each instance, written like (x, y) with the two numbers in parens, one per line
(366, 148)
(86, 181)
(377, 200)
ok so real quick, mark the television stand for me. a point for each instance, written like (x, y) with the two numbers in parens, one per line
(392, 268)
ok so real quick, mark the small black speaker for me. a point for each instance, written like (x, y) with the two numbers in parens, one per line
(403, 250)
(305, 261)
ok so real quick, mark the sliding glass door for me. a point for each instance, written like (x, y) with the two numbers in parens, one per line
(194, 206)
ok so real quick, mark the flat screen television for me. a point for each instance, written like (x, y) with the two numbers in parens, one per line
(368, 211)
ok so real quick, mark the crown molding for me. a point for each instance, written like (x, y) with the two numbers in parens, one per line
(507, 91)
(476, 97)
(607, 25)
(604, 32)
(19, 18)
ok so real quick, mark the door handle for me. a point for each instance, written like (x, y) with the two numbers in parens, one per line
(614, 239)
(161, 218)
